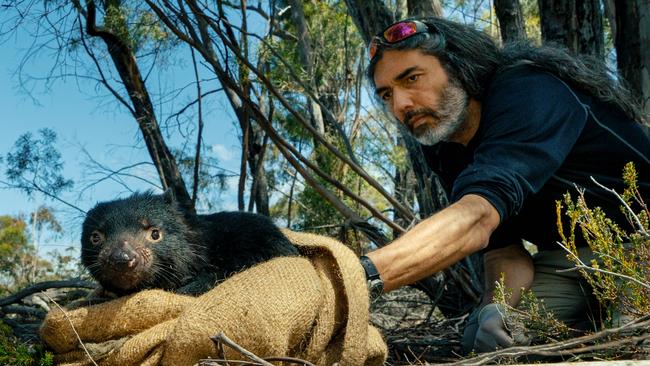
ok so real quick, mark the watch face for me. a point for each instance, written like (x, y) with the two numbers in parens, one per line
(375, 289)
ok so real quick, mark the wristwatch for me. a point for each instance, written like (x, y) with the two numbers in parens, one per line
(375, 283)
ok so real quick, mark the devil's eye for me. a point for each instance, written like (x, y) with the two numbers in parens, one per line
(96, 238)
(155, 234)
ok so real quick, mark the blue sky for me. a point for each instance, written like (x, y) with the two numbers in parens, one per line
(83, 121)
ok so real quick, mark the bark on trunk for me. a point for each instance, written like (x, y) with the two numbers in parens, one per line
(306, 57)
(576, 25)
(511, 20)
(591, 39)
(428, 8)
(633, 46)
(370, 17)
(556, 18)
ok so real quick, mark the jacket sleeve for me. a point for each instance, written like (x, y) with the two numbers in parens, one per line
(530, 120)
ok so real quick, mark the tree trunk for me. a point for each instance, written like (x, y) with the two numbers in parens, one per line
(556, 21)
(511, 20)
(259, 188)
(633, 46)
(579, 27)
(127, 67)
(427, 8)
(306, 59)
(370, 17)
(591, 39)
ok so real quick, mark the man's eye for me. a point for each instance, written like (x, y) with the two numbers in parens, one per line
(413, 78)
(385, 97)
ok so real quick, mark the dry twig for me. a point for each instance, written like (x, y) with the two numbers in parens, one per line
(607, 339)
(221, 339)
(73, 329)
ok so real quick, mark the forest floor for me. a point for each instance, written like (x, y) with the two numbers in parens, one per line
(415, 331)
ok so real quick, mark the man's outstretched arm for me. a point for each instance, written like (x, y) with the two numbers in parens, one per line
(437, 242)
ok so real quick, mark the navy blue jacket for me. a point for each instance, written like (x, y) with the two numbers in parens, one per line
(539, 138)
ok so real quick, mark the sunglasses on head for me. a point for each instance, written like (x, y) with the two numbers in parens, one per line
(396, 33)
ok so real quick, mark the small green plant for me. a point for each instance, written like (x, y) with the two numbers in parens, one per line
(14, 352)
(530, 322)
(620, 273)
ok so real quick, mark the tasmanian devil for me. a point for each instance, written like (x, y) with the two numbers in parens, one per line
(152, 241)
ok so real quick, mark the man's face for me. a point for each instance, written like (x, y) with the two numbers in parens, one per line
(418, 92)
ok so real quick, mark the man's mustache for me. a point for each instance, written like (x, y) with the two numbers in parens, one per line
(424, 111)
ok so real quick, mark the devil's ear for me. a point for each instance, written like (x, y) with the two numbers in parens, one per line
(169, 196)
(183, 203)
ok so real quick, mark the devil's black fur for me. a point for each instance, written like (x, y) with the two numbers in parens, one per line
(151, 241)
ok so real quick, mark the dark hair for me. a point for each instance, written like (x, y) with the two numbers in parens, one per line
(473, 58)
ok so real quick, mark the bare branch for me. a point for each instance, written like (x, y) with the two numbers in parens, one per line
(41, 286)
(33, 185)
(582, 265)
(74, 330)
(372, 182)
(222, 338)
(285, 148)
(199, 136)
(627, 207)
(573, 346)
(103, 79)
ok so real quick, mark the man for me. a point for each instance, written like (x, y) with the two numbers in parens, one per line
(509, 131)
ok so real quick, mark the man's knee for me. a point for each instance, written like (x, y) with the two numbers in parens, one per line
(564, 293)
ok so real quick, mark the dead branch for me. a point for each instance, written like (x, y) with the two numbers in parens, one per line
(268, 84)
(351, 162)
(41, 286)
(223, 339)
(286, 149)
(277, 94)
(199, 135)
(74, 330)
(607, 339)
(23, 311)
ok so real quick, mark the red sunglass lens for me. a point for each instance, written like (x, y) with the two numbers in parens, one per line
(400, 31)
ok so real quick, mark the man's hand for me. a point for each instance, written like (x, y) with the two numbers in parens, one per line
(492, 332)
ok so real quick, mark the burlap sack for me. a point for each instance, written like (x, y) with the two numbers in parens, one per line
(313, 307)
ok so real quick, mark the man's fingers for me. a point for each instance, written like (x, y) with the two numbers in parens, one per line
(492, 331)
(502, 338)
(489, 341)
(484, 342)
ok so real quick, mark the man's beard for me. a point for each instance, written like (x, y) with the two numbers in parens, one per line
(448, 120)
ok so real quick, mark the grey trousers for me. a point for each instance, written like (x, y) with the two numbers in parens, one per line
(566, 294)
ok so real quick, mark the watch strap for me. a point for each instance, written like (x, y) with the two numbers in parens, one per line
(369, 267)
(374, 281)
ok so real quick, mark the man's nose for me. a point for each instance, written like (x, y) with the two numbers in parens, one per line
(402, 103)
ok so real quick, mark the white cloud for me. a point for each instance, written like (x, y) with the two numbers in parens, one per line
(223, 153)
